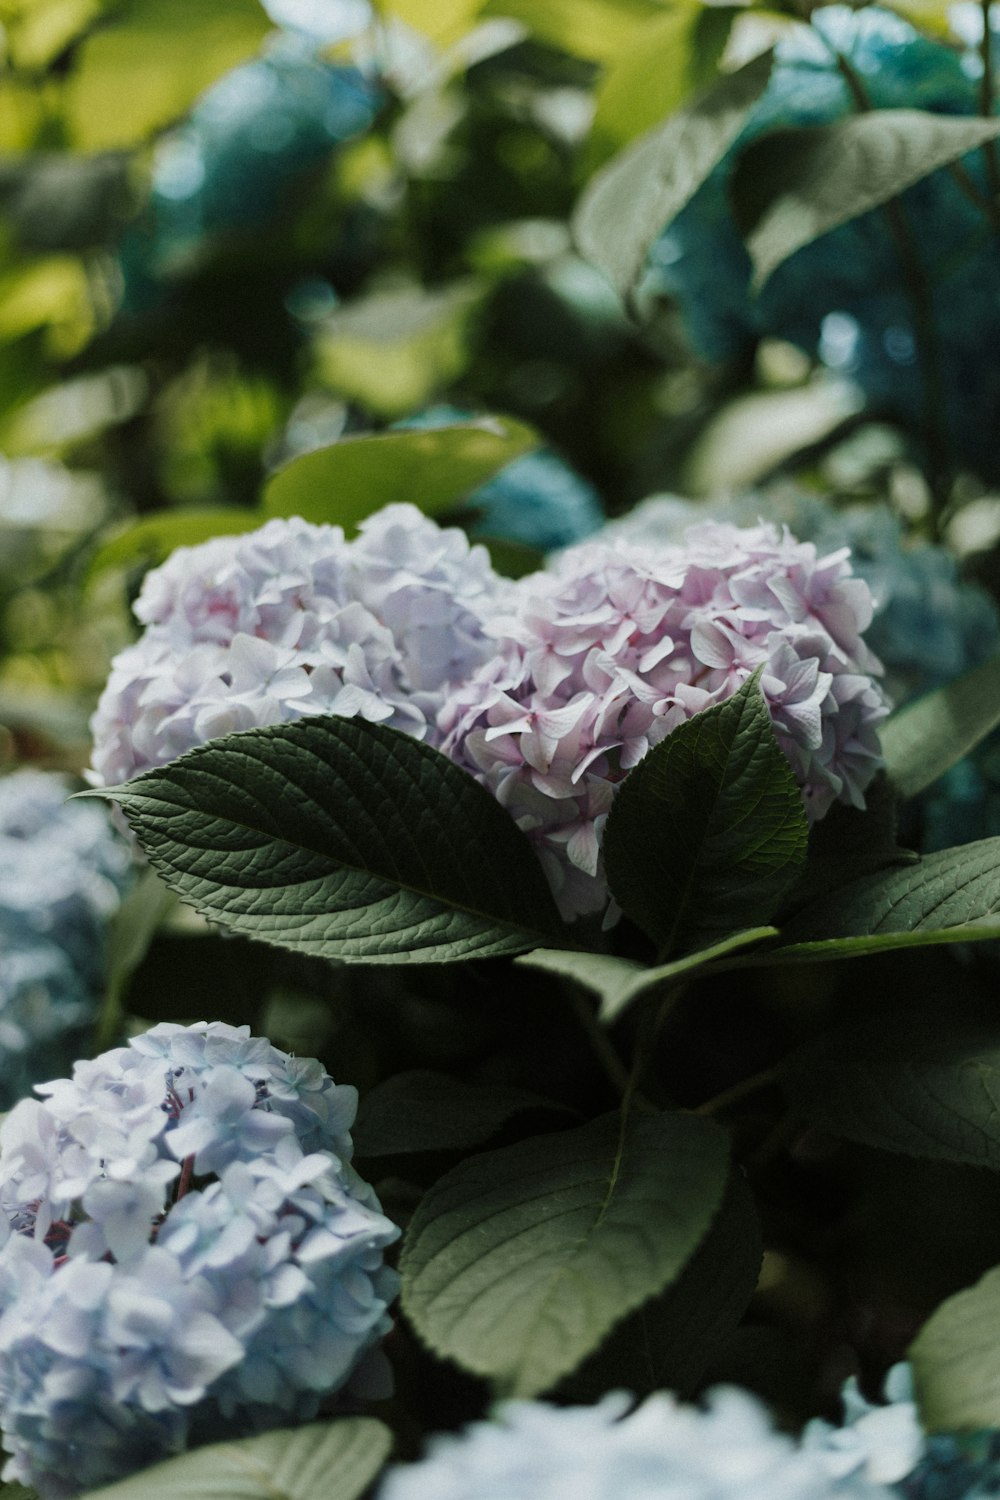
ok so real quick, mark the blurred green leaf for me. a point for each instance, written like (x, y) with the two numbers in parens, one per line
(434, 469)
(148, 64)
(421, 1110)
(50, 290)
(789, 187)
(666, 60)
(38, 30)
(631, 200)
(929, 736)
(393, 350)
(956, 1361)
(595, 29)
(152, 539)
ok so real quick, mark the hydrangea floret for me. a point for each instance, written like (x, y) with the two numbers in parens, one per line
(661, 1450)
(290, 620)
(614, 646)
(63, 871)
(186, 1252)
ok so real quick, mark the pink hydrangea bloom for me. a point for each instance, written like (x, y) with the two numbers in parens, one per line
(291, 620)
(602, 655)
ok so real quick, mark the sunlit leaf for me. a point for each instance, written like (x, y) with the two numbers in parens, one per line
(956, 1361)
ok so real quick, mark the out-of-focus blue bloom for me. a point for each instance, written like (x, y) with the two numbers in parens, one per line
(844, 296)
(226, 172)
(63, 871)
(185, 1252)
(661, 1451)
(536, 499)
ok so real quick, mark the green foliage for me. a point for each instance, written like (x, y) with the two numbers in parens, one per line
(322, 1461)
(951, 896)
(906, 1083)
(425, 1111)
(956, 1361)
(619, 982)
(151, 540)
(929, 736)
(791, 186)
(342, 839)
(148, 63)
(518, 1263)
(707, 833)
(434, 469)
(627, 204)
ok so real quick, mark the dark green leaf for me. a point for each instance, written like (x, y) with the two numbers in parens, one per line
(791, 186)
(434, 469)
(956, 1361)
(130, 933)
(672, 1339)
(923, 1085)
(342, 839)
(620, 981)
(518, 1263)
(951, 896)
(629, 203)
(322, 1461)
(923, 740)
(708, 832)
(426, 1111)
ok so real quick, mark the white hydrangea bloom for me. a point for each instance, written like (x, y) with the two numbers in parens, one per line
(660, 1451)
(293, 619)
(185, 1251)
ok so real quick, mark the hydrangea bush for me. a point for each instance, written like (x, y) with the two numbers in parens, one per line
(186, 1250)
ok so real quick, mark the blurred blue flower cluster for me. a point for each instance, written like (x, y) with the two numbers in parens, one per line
(844, 297)
(63, 871)
(930, 625)
(537, 499)
(185, 1252)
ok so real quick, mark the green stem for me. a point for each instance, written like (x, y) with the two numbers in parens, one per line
(739, 1091)
(623, 1078)
(987, 101)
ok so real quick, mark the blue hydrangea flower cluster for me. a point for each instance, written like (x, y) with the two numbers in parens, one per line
(536, 499)
(844, 297)
(185, 1251)
(659, 1451)
(63, 871)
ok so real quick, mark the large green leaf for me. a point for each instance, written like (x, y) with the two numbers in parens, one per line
(342, 839)
(518, 1263)
(150, 61)
(950, 896)
(791, 186)
(708, 832)
(672, 1339)
(426, 1111)
(923, 740)
(618, 982)
(594, 29)
(664, 62)
(433, 469)
(627, 205)
(956, 1361)
(922, 1085)
(322, 1461)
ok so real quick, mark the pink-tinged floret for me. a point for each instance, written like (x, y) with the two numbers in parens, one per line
(600, 657)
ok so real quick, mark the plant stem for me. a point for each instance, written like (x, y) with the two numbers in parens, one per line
(739, 1091)
(987, 101)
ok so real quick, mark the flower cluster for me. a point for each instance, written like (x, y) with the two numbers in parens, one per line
(62, 874)
(659, 1451)
(186, 1251)
(292, 620)
(614, 646)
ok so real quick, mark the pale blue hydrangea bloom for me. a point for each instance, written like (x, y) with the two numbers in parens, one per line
(662, 1450)
(63, 870)
(185, 1251)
